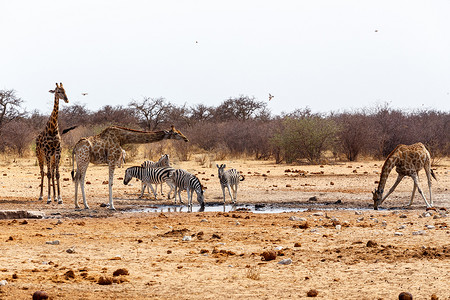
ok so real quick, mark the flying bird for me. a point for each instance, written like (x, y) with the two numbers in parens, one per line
(84, 94)
(270, 96)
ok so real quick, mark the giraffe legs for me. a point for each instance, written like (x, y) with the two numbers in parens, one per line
(428, 172)
(399, 178)
(41, 167)
(112, 166)
(412, 195)
(416, 183)
(57, 175)
(48, 160)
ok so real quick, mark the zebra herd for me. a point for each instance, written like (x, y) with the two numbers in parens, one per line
(179, 180)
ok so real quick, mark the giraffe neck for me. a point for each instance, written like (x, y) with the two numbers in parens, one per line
(52, 124)
(130, 136)
(388, 165)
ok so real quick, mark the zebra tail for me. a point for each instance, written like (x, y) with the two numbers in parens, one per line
(242, 177)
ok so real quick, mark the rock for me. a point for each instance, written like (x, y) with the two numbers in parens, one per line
(358, 213)
(405, 296)
(3, 282)
(204, 221)
(119, 272)
(69, 274)
(268, 255)
(318, 214)
(40, 295)
(312, 293)
(430, 226)
(398, 233)
(401, 227)
(71, 250)
(286, 261)
(338, 227)
(420, 232)
(187, 238)
(371, 244)
(278, 248)
(403, 216)
(56, 242)
(314, 198)
(297, 244)
(104, 280)
(295, 218)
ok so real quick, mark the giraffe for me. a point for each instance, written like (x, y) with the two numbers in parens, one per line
(48, 147)
(408, 160)
(105, 148)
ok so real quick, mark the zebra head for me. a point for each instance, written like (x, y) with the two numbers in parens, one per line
(164, 160)
(221, 169)
(127, 177)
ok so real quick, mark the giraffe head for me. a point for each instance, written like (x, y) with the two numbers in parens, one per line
(60, 93)
(176, 134)
(377, 196)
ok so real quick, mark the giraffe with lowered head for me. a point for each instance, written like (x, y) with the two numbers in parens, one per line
(48, 147)
(105, 148)
(408, 161)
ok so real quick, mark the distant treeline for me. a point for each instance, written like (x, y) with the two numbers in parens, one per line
(242, 125)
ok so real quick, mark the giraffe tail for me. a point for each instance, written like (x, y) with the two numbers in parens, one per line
(432, 174)
(73, 164)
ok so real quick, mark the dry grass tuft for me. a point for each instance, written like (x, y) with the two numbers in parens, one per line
(253, 273)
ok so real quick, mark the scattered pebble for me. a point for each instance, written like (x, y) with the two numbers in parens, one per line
(318, 214)
(420, 232)
(401, 227)
(104, 280)
(187, 238)
(279, 248)
(358, 213)
(295, 218)
(3, 282)
(297, 244)
(56, 242)
(371, 244)
(268, 255)
(71, 250)
(403, 216)
(40, 295)
(398, 233)
(430, 226)
(405, 296)
(312, 293)
(119, 272)
(286, 261)
(338, 227)
(204, 220)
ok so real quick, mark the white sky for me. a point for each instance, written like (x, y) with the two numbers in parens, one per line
(324, 54)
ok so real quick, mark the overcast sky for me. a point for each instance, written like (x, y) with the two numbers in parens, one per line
(325, 54)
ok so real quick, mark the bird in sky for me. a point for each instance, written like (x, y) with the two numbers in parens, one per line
(270, 96)
(84, 94)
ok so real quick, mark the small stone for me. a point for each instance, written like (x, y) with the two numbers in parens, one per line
(69, 274)
(358, 213)
(420, 232)
(71, 250)
(312, 293)
(278, 248)
(318, 214)
(297, 244)
(3, 282)
(398, 233)
(40, 295)
(56, 242)
(119, 272)
(430, 226)
(405, 296)
(403, 216)
(338, 227)
(314, 198)
(268, 255)
(401, 227)
(295, 218)
(384, 223)
(187, 238)
(371, 244)
(105, 280)
(204, 221)
(286, 261)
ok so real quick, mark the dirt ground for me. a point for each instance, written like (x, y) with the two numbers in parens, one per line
(330, 238)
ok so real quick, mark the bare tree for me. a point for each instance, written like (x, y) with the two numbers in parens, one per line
(243, 108)
(151, 112)
(10, 107)
(354, 133)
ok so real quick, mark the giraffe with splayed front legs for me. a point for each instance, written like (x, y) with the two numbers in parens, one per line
(105, 148)
(408, 160)
(48, 147)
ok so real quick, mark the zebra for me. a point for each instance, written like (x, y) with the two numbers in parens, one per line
(229, 178)
(183, 180)
(162, 162)
(148, 176)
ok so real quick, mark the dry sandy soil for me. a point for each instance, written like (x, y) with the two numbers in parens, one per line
(342, 249)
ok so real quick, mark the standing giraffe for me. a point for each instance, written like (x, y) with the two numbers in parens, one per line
(106, 148)
(408, 160)
(48, 147)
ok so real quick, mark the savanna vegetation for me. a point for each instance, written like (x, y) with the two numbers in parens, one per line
(239, 126)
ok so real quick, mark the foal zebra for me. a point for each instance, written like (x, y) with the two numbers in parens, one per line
(148, 176)
(229, 178)
(162, 162)
(183, 180)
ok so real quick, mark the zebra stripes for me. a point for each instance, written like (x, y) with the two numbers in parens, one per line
(148, 176)
(183, 180)
(162, 162)
(229, 178)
